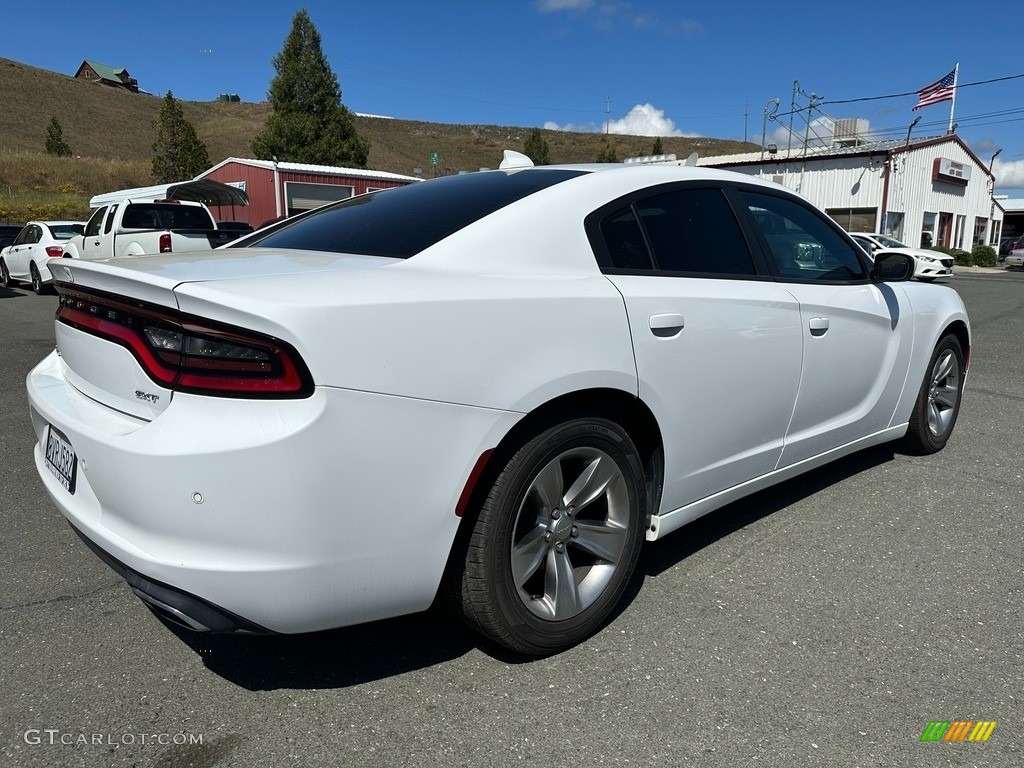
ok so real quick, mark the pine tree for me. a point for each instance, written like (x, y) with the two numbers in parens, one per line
(657, 150)
(608, 155)
(178, 154)
(536, 147)
(55, 144)
(309, 123)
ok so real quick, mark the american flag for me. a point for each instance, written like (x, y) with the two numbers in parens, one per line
(940, 90)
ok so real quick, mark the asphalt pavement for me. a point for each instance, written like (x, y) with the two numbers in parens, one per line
(825, 622)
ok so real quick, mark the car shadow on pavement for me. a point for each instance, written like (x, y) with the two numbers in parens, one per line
(704, 531)
(354, 655)
(337, 658)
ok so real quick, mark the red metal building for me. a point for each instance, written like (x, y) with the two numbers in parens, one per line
(283, 189)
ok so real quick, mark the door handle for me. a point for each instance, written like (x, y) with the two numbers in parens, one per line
(667, 325)
(818, 326)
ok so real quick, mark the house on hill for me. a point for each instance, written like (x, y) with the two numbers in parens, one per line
(94, 72)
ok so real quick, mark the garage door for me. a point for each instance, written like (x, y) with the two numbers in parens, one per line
(302, 196)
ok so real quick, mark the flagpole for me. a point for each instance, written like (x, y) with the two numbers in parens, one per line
(952, 103)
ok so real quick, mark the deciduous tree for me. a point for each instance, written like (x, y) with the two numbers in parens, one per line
(178, 153)
(309, 124)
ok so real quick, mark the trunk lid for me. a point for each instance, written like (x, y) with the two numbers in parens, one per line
(115, 289)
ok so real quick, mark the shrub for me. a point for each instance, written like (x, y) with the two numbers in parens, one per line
(963, 258)
(984, 256)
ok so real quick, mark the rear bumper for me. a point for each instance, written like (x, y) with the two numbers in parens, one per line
(287, 516)
(176, 606)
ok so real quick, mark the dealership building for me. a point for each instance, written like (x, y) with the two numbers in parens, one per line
(928, 191)
(283, 189)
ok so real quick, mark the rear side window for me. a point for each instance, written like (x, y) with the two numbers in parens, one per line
(401, 222)
(692, 230)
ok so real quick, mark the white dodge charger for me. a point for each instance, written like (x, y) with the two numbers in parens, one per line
(494, 386)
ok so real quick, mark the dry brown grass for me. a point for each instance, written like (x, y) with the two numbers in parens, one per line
(111, 134)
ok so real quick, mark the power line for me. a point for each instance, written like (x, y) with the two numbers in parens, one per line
(915, 93)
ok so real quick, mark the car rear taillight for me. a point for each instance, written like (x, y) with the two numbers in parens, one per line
(165, 242)
(54, 251)
(188, 354)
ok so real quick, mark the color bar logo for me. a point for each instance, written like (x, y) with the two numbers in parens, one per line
(958, 730)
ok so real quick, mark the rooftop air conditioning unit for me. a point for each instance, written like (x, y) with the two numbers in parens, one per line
(850, 131)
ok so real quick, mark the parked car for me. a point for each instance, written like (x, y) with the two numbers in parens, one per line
(1016, 257)
(28, 258)
(495, 386)
(928, 264)
(8, 232)
(134, 227)
(1005, 246)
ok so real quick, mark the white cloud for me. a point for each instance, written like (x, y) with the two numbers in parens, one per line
(642, 120)
(1009, 175)
(820, 134)
(553, 6)
(613, 14)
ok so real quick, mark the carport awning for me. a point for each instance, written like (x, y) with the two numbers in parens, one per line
(199, 190)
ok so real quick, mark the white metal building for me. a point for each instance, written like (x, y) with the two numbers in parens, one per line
(930, 191)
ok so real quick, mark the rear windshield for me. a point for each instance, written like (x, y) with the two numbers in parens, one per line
(166, 216)
(401, 222)
(66, 231)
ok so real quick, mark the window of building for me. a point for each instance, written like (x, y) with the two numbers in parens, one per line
(894, 224)
(854, 219)
(928, 230)
(961, 227)
(980, 227)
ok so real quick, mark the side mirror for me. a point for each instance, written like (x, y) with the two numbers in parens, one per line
(892, 267)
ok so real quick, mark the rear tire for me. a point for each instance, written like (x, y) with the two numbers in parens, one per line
(37, 281)
(556, 541)
(938, 401)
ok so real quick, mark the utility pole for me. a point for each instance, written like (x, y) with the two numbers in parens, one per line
(746, 114)
(792, 112)
(607, 114)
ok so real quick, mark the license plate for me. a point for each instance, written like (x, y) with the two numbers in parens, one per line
(60, 458)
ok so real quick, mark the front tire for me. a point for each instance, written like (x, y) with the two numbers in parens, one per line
(557, 539)
(5, 275)
(938, 402)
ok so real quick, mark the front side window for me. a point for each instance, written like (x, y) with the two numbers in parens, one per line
(93, 227)
(802, 244)
(24, 237)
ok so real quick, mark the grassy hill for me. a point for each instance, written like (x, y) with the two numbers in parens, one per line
(111, 134)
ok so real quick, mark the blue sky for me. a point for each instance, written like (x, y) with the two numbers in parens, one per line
(646, 67)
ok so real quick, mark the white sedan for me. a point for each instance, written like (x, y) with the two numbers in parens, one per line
(1015, 258)
(28, 258)
(496, 386)
(928, 264)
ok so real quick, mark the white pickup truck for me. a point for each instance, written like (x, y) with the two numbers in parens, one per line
(132, 228)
